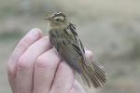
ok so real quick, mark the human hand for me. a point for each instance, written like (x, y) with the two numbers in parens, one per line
(34, 67)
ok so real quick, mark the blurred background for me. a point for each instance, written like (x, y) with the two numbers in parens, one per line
(110, 28)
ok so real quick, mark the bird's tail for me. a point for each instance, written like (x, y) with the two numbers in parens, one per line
(93, 75)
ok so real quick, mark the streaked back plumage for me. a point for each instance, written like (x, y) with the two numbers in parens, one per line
(67, 43)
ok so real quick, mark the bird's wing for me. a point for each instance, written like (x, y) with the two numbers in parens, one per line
(74, 38)
(77, 44)
(71, 50)
(68, 46)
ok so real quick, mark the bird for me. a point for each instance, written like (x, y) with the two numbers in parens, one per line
(65, 39)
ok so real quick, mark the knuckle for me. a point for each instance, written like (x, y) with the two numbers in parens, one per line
(63, 66)
(40, 62)
(23, 63)
(11, 69)
(51, 63)
(29, 38)
(23, 44)
(46, 62)
(46, 39)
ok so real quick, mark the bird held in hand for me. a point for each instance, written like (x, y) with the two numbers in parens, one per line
(64, 38)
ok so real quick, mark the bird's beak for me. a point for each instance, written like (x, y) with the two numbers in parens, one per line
(48, 17)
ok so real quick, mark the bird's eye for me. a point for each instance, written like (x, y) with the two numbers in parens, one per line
(57, 19)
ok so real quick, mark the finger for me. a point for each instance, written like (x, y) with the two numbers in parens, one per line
(25, 42)
(63, 80)
(45, 69)
(77, 88)
(89, 54)
(25, 64)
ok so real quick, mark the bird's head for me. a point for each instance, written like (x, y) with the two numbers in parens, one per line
(57, 19)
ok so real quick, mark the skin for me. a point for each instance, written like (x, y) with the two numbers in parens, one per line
(35, 67)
